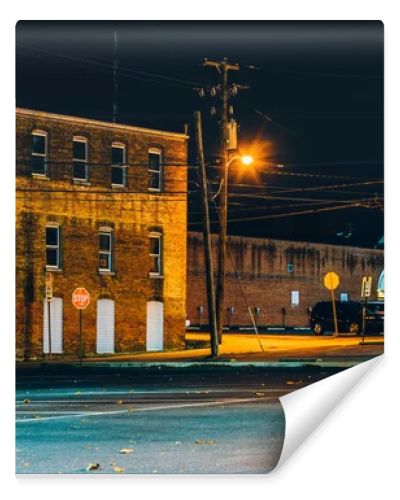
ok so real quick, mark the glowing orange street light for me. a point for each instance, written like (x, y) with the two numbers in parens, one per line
(246, 160)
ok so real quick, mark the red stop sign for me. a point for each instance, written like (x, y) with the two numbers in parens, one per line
(80, 298)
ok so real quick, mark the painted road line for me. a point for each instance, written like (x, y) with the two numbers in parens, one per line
(131, 401)
(151, 408)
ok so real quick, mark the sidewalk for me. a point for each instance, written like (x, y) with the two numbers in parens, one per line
(240, 349)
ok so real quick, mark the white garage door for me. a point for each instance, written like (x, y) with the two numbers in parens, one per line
(155, 326)
(56, 326)
(105, 326)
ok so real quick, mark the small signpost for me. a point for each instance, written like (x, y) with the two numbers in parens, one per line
(80, 299)
(366, 289)
(331, 282)
(49, 298)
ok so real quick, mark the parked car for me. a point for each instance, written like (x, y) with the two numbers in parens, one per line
(349, 317)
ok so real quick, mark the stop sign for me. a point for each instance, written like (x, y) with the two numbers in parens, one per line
(80, 298)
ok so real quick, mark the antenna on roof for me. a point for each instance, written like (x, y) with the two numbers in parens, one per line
(115, 82)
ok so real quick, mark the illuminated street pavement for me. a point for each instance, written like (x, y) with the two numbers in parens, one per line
(167, 421)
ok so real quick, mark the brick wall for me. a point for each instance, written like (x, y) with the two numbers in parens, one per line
(132, 213)
(270, 270)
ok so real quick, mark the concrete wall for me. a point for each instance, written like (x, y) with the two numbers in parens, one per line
(264, 267)
(81, 210)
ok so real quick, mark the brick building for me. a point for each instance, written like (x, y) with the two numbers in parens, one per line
(276, 275)
(102, 206)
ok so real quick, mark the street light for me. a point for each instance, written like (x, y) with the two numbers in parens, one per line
(245, 160)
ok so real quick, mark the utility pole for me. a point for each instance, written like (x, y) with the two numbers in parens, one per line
(207, 238)
(222, 67)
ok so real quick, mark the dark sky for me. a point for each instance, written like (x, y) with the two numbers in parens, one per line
(315, 105)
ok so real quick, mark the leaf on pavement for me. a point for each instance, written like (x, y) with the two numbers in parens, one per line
(27, 401)
(120, 402)
(204, 441)
(93, 467)
(125, 451)
(118, 469)
(259, 393)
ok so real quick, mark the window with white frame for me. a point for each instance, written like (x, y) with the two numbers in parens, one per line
(118, 164)
(156, 249)
(294, 298)
(105, 249)
(155, 169)
(53, 260)
(39, 152)
(80, 159)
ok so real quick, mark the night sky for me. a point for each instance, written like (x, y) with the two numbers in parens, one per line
(315, 106)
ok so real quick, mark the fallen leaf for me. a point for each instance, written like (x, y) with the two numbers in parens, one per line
(259, 393)
(93, 467)
(204, 441)
(118, 469)
(27, 401)
(120, 402)
(294, 382)
(125, 451)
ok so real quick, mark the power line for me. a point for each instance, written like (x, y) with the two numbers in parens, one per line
(129, 72)
(125, 191)
(290, 198)
(272, 207)
(291, 214)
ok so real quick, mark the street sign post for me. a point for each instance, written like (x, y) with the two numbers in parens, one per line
(331, 282)
(49, 298)
(80, 299)
(366, 289)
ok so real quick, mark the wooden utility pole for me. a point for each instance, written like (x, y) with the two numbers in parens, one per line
(207, 238)
(222, 67)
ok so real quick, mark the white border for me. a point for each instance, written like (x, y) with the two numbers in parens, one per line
(350, 454)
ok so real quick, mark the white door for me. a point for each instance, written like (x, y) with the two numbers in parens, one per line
(56, 326)
(155, 326)
(105, 326)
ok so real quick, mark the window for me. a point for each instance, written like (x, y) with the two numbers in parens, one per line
(80, 155)
(105, 249)
(156, 254)
(39, 152)
(118, 162)
(155, 169)
(53, 246)
(294, 298)
(344, 297)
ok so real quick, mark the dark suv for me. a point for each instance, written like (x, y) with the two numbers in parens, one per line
(349, 316)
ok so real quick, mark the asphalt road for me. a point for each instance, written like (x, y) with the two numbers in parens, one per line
(164, 421)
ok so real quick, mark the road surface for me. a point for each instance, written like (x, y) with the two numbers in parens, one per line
(157, 421)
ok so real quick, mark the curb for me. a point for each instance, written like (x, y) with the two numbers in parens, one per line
(299, 363)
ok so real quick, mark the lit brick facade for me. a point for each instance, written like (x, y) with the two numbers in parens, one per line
(81, 209)
(270, 270)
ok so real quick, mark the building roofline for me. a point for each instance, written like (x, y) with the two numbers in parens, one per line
(100, 123)
(293, 242)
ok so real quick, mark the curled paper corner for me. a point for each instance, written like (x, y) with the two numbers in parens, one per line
(306, 408)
